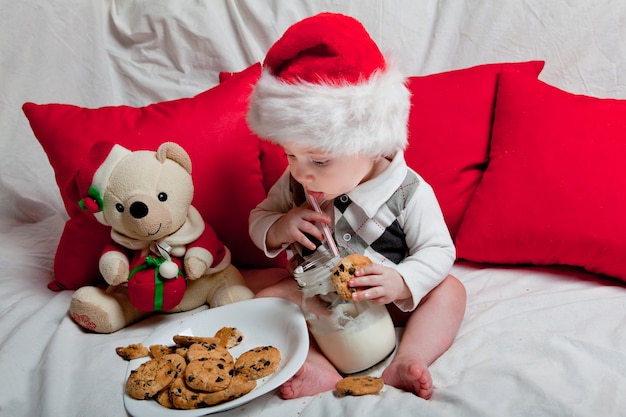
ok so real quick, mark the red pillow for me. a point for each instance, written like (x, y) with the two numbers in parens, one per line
(450, 128)
(210, 126)
(553, 192)
(273, 160)
(449, 132)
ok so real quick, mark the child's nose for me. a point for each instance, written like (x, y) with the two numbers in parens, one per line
(301, 174)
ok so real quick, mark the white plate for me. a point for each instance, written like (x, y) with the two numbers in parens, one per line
(263, 321)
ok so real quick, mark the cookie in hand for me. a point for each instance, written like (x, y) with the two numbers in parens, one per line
(343, 272)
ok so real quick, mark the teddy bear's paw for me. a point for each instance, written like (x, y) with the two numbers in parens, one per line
(195, 268)
(114, 268)
(98, 311)
(230, 294)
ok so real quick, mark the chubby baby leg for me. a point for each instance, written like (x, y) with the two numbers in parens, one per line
(317, 375)
(286, 288)
(429, 332)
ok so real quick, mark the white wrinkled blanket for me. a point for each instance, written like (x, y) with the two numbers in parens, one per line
(535, 341)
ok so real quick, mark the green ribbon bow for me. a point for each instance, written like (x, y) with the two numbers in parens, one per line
(154, 262)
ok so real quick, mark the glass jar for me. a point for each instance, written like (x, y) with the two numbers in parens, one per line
(354, 336)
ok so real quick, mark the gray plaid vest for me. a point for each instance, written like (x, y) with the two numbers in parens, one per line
(381, 238)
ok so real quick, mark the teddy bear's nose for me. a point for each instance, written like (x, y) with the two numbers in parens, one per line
(138, 210)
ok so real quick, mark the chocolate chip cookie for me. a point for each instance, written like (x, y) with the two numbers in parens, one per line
(343, 272)
(258, 362)
(359, 385)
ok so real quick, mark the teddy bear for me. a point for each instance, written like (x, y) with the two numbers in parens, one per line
(163, 256)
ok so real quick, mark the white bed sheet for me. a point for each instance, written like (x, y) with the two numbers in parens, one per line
(535, 341)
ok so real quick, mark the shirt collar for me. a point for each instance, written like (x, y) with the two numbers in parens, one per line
(372, 194)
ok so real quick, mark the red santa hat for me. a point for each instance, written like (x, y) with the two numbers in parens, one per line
(326, 86)
(93, 177)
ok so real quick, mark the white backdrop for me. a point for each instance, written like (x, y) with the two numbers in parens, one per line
(534, 342)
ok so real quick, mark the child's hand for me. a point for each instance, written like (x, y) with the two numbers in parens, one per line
(379, 284)
(292, 227)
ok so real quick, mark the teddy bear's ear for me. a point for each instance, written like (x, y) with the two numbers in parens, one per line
(175, 152)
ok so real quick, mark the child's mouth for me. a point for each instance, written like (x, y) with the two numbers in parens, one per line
(316, 194)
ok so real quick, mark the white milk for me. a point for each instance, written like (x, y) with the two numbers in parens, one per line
(353, 336)
(355, 343)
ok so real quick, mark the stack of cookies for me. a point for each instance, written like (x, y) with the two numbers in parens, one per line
(197, 371)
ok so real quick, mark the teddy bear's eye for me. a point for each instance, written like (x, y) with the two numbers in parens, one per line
(162, 197)
(119, 207)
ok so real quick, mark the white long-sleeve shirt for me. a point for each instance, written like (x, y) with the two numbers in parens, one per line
(394, 219)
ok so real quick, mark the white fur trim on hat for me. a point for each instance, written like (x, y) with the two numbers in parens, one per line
(368, 118)
(104, 171)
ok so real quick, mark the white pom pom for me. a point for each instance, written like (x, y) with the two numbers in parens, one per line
(168, 270)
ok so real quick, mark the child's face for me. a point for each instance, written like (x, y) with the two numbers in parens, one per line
(327, 176)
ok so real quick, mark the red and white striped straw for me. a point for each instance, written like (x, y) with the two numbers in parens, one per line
(325, 229)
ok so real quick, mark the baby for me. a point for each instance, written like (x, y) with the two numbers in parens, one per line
(339, 110)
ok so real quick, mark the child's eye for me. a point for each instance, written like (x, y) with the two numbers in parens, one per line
(320, 163)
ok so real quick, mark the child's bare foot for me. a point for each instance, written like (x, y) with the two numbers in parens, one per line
(310, 379)
(410, 374)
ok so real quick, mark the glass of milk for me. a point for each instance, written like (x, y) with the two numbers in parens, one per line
(354, 336)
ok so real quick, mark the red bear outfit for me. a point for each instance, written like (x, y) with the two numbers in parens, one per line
(147, 289)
